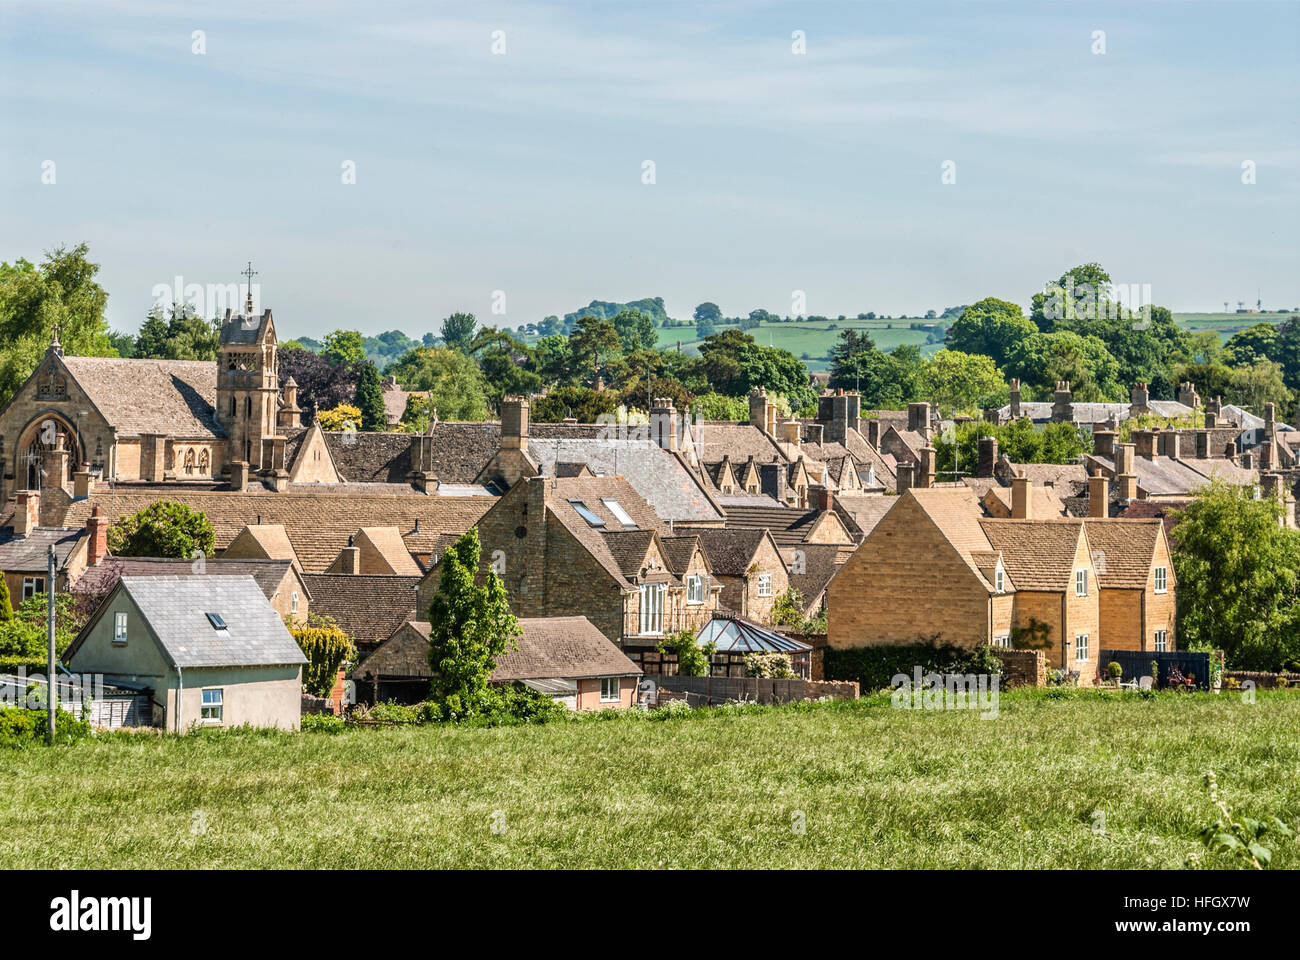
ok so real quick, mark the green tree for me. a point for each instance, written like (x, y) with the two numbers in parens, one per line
(1042, 359)
(452, 379)
(636, 331)
(369, 398)
(582, 403)
(692, 657)
(458, 330)
(6, 607)
(470, 626)
(326, 648)
(163, 529)
(185, 336)
(1238, 575)
(708, 311)
(594, 342)
(991, 327)
(1251, 345)
(963, 381)
(344, 348)
(60, 294)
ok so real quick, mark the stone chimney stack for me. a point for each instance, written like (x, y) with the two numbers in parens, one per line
(813, 432)
(1247, 460)
(1015, 399)
(1173, 444)
(1145, 441)
(918, 419)
(772, 480)
(27, 512)
(1187, 395)
(1140, 399)
(873, 433)
(238, 475)
(1022, 506)
(54, 463)
(83, 483)
(1202, 444)
(789, 432)
(1211, 419)
(1230, 452)
(1098, 495)
(1266, 455)
(905, 474)
(97, 538)
(1269, 412)
(1103, 443)
(350, 559)
(762, 412)
(926, 477)
(1062, 408)
(1124, 458)
(514, 423)
(663, 423)
(988, 456)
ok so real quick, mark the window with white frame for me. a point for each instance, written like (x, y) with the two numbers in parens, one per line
(652, 608)
(293, 602)
(1162, 641)
(119, 627)
(212, 704)
(695, 590)
(616, 508)
(1162, 579)
(32, 586)
(999, 578)
(764, 584)
(608, 689)
(1081, 583)
(1003, 641)
(1082, 647)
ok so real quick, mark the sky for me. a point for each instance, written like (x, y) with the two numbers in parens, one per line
(516, 160)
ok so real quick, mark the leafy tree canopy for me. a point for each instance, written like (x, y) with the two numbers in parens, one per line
(163, 529)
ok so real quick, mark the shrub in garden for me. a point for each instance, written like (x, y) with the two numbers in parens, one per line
(875, 667)
(20, 727)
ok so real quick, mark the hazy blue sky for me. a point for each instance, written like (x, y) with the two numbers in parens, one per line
(774, 171)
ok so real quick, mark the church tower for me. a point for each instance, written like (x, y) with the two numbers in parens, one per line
(248, 385)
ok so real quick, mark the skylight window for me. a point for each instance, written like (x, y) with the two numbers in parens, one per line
(585, 512)
(616, 508)
(217, 622)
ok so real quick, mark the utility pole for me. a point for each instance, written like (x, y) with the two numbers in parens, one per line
(52, 686)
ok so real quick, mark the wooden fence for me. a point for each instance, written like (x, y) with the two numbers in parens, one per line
(711, 691)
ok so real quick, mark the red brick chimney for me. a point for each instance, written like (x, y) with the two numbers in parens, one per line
(97, 529)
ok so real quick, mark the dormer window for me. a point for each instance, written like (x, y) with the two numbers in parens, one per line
(1081, 583)
(999, 578)
(586, 513)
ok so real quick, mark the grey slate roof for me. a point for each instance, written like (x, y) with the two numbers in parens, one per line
(177, 607)
(99, 580)
(29, 554)
(658, 476)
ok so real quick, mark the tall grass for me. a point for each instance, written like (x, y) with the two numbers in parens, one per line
(869, 785)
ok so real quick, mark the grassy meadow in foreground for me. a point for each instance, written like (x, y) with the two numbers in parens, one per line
(871, 785)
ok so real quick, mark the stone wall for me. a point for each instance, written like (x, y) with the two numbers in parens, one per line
(1023, 668)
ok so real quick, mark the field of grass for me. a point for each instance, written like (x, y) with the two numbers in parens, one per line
(872, 787)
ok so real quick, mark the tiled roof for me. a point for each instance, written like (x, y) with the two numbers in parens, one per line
(811, 572)
(661, 478)
(366, 608)
(173, 397)
(568, 648)
(868, 456)
(1045, 501)
(244, 328)
(678, 551)
(739, 441)
(318, 525)
(789, 525)
(1123, 551)
(30, 554)
(388, 543)
(98, 580)
(629, 549)
(1162, 477)
(730, 550)
(460, 451)
(592, 491)
(365, 457)
(176, 609)
(1166, 511)
(1038, 554)
(1066, 478)
(865, 509)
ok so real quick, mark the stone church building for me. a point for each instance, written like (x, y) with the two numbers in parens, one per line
(79, 419)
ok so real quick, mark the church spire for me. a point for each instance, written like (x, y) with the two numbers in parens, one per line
(250, 273)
